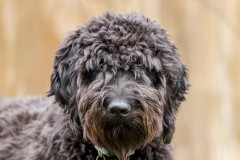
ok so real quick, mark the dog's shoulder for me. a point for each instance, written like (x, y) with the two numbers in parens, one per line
(25, 123)
(27, 110)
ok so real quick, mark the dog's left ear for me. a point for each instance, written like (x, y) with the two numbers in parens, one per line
(64, 75)
(177, 85)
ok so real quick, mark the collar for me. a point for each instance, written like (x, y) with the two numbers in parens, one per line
(102, 152)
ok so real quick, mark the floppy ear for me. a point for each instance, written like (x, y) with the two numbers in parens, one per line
(64, 79)
(64, 75)
(177, 85)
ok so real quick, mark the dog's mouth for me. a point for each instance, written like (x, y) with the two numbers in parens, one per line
(120, 137)
(118, 122)
(120, 129)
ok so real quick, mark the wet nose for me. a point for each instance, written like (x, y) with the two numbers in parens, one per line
(119, 107)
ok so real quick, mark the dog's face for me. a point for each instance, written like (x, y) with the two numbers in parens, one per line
(121, 110)
(120, 81)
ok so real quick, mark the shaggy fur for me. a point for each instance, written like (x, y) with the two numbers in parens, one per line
(114, 56)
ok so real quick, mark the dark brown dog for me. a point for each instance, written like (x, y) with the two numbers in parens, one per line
(119, 82)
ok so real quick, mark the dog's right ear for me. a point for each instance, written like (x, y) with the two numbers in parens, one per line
(64, 75)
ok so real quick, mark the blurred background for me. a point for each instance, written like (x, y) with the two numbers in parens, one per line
(207, 33)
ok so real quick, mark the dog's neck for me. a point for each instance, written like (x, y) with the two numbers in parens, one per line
(63, 139)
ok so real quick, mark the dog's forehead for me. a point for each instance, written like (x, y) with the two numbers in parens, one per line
(118, 59)
(121, 41)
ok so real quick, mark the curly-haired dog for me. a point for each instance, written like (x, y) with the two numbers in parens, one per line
(118, 81)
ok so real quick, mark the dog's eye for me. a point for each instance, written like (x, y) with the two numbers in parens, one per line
(88, 76)
(138, 62)
(101, 63)
(154, 77)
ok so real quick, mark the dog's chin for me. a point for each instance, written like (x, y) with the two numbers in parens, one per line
(121, 138)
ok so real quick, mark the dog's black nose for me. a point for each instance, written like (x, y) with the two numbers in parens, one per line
(119, 107)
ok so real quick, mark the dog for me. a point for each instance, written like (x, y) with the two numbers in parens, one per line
(116, 86)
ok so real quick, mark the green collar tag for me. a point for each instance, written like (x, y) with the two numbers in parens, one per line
(103, 152)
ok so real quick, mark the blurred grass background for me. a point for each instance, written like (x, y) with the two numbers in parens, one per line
(207, 33)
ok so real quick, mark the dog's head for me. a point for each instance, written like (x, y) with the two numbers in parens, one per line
(121, 81)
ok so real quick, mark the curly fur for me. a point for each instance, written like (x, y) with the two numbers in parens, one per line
(114, 55)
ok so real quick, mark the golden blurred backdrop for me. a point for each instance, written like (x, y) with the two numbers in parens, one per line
(207, 33)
